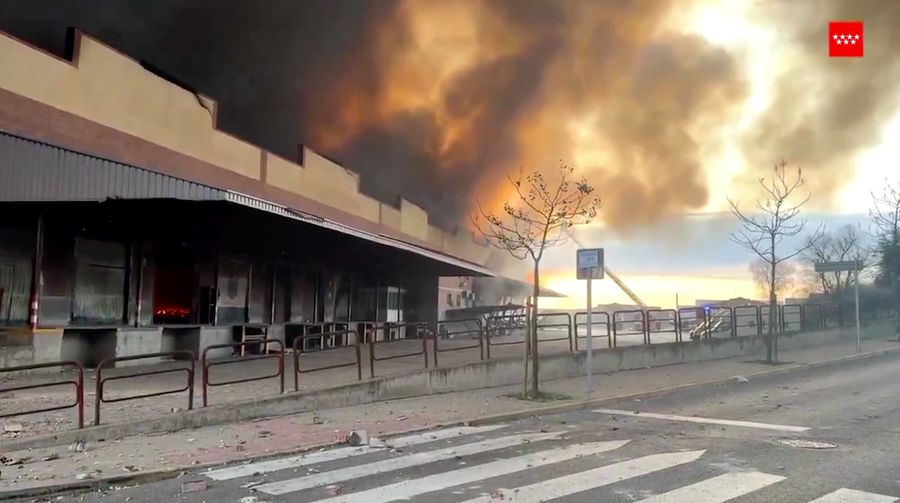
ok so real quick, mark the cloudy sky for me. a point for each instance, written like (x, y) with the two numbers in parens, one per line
(666, 106)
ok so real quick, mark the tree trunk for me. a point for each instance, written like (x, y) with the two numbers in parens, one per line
(770, 338)
(534, 330)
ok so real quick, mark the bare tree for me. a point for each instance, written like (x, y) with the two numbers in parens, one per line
(540, 218)
(842, 245)
(785, 276)
(885, 215)
(776, 217)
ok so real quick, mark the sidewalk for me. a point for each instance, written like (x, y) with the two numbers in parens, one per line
(240, 441)
(132, 410)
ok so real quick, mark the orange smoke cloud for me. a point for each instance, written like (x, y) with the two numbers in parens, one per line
(467, 91)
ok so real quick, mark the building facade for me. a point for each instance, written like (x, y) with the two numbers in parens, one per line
(130, 224)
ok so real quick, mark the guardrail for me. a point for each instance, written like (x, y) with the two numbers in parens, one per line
(720, 319)
(78, 383)
(501, 326)
(300, 347)
(691, 320)
(657, 321)
(443, 330)
(388, 329)
(595, 322)
(642, 322)
(812, 316)
(791, 318)
(567, 325)
(747, 317)
(206, 364)
(101, 381)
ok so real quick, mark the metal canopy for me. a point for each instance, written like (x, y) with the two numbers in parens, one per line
(32, 171)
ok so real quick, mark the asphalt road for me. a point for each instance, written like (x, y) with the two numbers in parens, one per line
(630, 451)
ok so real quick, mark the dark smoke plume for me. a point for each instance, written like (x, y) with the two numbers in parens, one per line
(437, 100)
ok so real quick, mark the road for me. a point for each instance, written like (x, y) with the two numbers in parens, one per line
(735, 442)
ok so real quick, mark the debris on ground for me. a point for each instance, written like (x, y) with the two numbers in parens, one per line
(131, 468)
(335, 489)
(193, 486)
(741, 379)
(358, 437)
(78, 446)
(12, 427)
(402, 418)
(264, 434)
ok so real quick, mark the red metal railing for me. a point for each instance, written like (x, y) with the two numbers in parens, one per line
(628, 324)
(101, 381)
(467, 331)
(388, 329)
(77, 382)
(206, 363)
(543, 322)
(658, 322)
(597, 319)
(300, 347)
(502, 326)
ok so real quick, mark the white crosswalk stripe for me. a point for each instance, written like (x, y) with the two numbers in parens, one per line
(590, 479)
(718, 489)
(344, 452)
(703, 420)
(399, 463)
(845, 495)
(438, 482)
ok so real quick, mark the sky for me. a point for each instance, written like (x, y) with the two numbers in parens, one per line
(667, 107)
(690, 255)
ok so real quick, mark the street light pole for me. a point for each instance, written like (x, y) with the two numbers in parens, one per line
(590, 349)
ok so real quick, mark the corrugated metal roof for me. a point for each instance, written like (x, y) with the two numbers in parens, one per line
(31, 171)
(309, 218)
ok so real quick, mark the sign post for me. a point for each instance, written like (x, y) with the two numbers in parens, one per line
(589, 264)
(847, 266)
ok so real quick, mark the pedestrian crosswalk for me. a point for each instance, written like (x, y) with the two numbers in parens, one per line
(486, 464)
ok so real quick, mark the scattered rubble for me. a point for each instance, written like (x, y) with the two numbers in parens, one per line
(741, 379)
(193, 486)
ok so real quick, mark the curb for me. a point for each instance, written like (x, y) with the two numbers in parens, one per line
(169, 473)
(583, 404)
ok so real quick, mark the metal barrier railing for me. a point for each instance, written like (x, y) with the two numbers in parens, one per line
(503, 326)
(691, 320)
(444, 332)
(101, 381)
(812, 316)
(662, 321)
(206, 363)
(832, 315)
(420, 329)
(764, 318)
(720, 319)
(567, 325)
(597, 319)
(77, 382)
(747, 317)
(791, 318)
(300, 347)
(629, 324)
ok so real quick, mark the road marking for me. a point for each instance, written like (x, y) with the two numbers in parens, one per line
(718, 489)
(344, 452)
(706, 420)
(845, 495)
(441, 481)
(399, 463)
(590, 479)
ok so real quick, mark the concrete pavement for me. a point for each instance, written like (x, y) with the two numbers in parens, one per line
(214, 445)
(822, 434)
